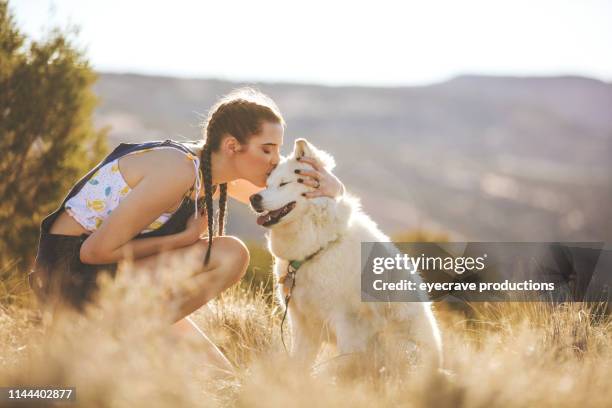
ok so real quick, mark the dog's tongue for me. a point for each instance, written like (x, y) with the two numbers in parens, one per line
(262, 219)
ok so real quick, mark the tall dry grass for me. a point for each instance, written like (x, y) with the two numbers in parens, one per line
(122, 354)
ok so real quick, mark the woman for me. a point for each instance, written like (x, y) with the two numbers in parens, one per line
(148, 197)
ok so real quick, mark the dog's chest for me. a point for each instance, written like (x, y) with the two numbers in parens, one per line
(317, 287)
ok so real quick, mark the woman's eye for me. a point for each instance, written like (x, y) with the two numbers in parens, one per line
(267, 151)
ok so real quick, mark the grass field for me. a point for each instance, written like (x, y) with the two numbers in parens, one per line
(123, 355)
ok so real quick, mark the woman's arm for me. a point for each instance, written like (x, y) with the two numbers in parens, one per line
(137, 248)
(158, 190)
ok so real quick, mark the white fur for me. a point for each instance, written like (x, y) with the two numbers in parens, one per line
(326, 301)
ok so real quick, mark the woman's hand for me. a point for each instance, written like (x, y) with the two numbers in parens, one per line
(196, 228)
(324, 183)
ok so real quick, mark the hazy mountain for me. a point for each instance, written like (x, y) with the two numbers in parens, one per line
(485, 158)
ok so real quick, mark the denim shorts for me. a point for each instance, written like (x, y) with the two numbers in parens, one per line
(59, 274)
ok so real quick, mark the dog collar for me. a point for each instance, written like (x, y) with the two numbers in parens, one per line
(295, 264)
(288, 279)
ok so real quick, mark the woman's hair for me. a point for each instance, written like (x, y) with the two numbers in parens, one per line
(240, 114)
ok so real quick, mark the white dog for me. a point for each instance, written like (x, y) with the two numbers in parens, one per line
(321, 239)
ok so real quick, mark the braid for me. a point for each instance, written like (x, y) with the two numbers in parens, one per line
(218, 120)
(207, 172)
(222, 208)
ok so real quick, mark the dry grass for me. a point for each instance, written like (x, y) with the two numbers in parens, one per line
(123, 355)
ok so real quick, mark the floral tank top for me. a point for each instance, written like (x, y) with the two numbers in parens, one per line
(105, 190)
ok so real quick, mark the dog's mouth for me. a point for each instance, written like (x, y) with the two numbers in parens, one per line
(274, 216)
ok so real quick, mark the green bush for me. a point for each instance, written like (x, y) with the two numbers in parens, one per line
(47, 137)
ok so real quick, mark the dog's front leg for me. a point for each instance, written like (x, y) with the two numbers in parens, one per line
(352, 342)
(351, 334)
(305, 340)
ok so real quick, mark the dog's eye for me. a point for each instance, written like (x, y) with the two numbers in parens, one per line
(284, 183)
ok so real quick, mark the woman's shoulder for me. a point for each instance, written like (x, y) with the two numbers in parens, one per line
(166, 164)
(174, 161)
(195, 146)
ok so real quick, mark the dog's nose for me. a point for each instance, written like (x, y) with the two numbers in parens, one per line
(255, 200)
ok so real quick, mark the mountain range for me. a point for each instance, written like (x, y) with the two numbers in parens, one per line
(478, 158)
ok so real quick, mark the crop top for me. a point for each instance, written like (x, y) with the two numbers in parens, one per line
(106, 188)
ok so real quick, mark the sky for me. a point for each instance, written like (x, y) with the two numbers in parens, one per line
(334, 42)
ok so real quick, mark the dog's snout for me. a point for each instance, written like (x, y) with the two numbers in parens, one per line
(255, 200)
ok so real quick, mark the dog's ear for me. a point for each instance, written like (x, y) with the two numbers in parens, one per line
(302, 148)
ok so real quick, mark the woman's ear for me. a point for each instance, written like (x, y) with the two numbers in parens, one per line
(231, 145)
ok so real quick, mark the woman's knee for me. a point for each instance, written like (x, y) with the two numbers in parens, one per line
(236, 249)
(232, 253)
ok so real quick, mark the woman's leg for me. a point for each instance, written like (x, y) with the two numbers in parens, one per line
(186, 328)
(228, 263)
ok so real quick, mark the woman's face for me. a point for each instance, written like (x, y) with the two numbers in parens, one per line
(261, 154)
